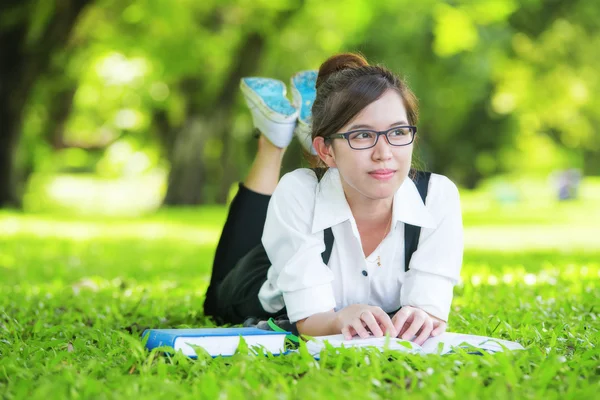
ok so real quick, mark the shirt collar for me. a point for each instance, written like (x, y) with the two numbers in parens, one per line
(331, 207)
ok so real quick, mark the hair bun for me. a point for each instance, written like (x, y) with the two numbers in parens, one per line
(340, 62)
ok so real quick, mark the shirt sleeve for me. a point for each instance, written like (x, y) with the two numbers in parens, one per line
(435, 265)
(297, 269)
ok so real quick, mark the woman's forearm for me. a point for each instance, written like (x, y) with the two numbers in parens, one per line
(321, 324)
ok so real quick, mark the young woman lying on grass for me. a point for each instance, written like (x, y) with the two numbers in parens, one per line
(361, 136)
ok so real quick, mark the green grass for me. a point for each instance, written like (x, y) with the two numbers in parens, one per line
(75, 294)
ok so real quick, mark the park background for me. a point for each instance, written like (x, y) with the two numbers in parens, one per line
(123, 135)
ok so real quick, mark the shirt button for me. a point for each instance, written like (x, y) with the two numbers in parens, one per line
(365, 273)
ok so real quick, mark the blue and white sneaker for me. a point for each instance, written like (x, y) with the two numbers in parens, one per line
(272, 113)
(304, 92)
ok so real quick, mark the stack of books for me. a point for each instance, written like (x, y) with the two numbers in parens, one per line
(215, 341)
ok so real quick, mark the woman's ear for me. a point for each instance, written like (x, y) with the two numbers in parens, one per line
(324, 151)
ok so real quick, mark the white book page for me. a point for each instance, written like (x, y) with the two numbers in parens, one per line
(451, 339)
(315, 346)
(448, 340)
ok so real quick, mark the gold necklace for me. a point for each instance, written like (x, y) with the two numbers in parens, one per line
(383, 237)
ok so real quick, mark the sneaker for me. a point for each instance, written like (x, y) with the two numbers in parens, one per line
(272, 113)
(304, 93)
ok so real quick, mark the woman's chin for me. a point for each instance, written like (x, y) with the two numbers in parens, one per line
(383, 192)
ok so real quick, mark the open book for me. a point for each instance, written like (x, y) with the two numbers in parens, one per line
(442, 344)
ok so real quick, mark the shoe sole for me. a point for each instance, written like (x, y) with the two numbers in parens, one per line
(269, 113)
(297, 95)
(302, 130)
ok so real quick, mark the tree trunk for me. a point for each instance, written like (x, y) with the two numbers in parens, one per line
(217, 123)
(23, 59)
(187, 177)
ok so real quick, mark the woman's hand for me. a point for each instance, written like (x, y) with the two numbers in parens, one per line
(357, 318)
(411, 320)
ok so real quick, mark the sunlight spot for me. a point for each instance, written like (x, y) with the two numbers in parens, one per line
(11, 225)
(126, 119)
(503, 103)
(579, 92)
(429, 371)
(475, 280)
(507, 278)
(530, 279)
(492, 280)
(159, 91)
(137, 164)
(116, 69)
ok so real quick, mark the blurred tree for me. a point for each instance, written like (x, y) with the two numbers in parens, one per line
(503, 85)
(31, 34)
(547, 82)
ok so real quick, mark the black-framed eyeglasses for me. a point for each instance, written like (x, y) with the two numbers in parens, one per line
(365, 139)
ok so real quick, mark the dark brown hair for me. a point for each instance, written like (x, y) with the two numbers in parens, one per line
(345, 85)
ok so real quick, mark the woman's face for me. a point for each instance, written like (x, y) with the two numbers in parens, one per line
(375, 173)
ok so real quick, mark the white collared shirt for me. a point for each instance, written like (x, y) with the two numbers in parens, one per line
(299, 211)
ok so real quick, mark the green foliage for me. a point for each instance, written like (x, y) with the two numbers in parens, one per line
(498, 92)
(76, 295)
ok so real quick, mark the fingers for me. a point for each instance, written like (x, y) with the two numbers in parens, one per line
(425, 332)
(417, 322)
(439, 329)
(360, 329)
(371, 323)
(346, 332)
(400, 318)
(385, 322)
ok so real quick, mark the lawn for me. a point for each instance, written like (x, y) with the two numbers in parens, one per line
(76, 293)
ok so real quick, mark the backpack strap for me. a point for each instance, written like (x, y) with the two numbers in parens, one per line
(327, 233)
(411, 232)
(328, 238)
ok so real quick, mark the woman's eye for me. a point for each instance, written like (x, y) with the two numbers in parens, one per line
(363, 135)
(399, 132)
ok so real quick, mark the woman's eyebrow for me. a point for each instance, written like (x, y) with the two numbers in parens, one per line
(365, 126)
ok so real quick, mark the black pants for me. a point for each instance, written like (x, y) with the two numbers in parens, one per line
(240, 265)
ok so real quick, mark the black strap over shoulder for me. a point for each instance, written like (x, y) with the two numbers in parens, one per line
(328, 238)
(411, 232)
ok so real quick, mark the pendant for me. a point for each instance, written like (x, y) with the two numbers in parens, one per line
(378, 261)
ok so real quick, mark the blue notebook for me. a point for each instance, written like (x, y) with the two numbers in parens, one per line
(216, 341)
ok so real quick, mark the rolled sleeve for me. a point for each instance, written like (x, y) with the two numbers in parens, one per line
(435, 266)
(297, 277)
(306, 302)
(431, 293)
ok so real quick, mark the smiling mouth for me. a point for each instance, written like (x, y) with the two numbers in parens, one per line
(382, 174)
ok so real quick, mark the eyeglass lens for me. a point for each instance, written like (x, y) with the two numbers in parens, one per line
(396, 137)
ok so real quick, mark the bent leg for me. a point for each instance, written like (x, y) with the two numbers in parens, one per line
(237, 294)
(246, 219)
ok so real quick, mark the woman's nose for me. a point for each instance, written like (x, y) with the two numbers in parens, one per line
(382, 149)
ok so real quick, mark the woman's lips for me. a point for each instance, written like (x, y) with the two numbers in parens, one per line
(382, 174)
